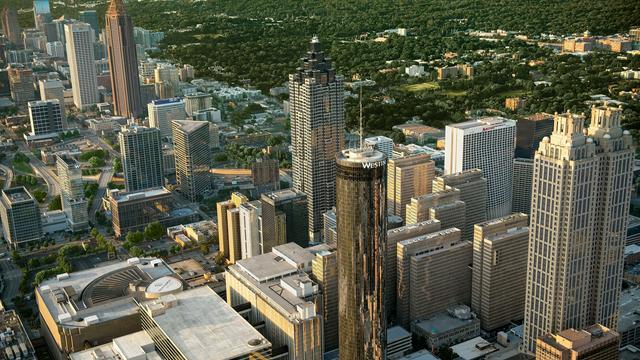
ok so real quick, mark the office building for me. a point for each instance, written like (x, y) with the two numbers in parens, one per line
(34, 39)
(284, 218)
(55, 49)
(444, 206)
(193, 157)
(229, 232)
(433, 274)
(473, 192)
(80, 56)
(522, 177)
(166, 81)
(282, 296)
(41, 13)
(15, 339)
(324, 271)
(94, 306)
(214, 136)
(594, 342)
(20, 217)
(381, 143)
(362, 244)
(45, 117)
(529, 133)
(210, 115)
(10, 26)
(21, 84)
(408, 177)
(74, 203)
(579, 209)
(391, 263)
(51, 89)
(250, 214)
(398, 342)
(453, 326)
(499, 270)
(142, 164)
(133, 211)
(123, 63)
(90, 17)
(329, 227)
(197, 102)
(487, 144)
(317, 132)
(265, 174)
(163, 112)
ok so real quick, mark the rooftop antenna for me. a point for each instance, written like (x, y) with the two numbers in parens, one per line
(361, 126)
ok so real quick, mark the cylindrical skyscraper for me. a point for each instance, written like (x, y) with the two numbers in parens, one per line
(361, 232)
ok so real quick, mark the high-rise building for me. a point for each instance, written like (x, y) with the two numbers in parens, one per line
(142, 164)
(41, 13)
(193, 157)
(325, 273)
(499, 270)
(329, 227)
(382, 144)
(594, 342)
(74, 203)
(197, 102)
(163, 112)
(282, 297)
(34, 40)
(433, 274)
(362, 238)
(166, 81)
(522, 177)
(487, 144)
(530, 131)
(10, 26)
(580, 200)
(46, 117)
(123, 63)
(55, 49)
(473, 192)
(317, 131)
(284, 218)
(20, 217)
(82, 69)
(90, 17)
(229, 226)
(408, 177)
(394, 236)
(265, 174)
(51, 89)
(250, 229)
(444, 206)
(21, 84)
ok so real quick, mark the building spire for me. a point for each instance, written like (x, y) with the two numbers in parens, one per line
(116, 7)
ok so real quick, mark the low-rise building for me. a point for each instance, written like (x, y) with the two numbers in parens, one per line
(453, 326)
(594, 342)
(14, 340)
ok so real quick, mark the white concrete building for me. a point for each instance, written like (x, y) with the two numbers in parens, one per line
(80, 56)
(162, 112)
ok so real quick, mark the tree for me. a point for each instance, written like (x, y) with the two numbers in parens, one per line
(220, 258)
(117, 165)
(40, 195)
(56, 203)
(154, 231)
(204, 248)
(134, 237)
(398, 137)
(136, 251)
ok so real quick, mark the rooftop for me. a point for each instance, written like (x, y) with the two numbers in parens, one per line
(540, 117)
(484, 124)
(120, 196)
(420, 355)
(192, 318)
(362, 156)
(190, 125)
(285, 194)
(18, 194)
(476, 348)
(132, 346)
(445, 321)
(629, 305)
(83, 298)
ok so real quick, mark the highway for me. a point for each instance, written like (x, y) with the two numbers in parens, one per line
(8, 176)
(53, 186)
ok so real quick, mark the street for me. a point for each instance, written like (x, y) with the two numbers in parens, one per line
(8, 174)
(11, 276)
(53, 187)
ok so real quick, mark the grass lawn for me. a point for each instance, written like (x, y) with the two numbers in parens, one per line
(455, 93)
(22, 167)
(429, 85)
(514, 93)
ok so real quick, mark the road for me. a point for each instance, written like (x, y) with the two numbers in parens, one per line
(53, 186)
(8, 176)
(11, 276)
(103, 181)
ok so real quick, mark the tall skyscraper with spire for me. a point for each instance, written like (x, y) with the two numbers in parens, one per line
(580, 199)
(317, 131)
(362, 240)
(123, 63)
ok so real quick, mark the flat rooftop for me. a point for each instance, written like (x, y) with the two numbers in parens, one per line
(629, 305)
(420, 355)
(199, 324)
(120, 196)
(190, 125)
(138, 345)
(485, 123)
(83, 298)
(282, 195)
(443, 322)
(17, 194)
(476, 348)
